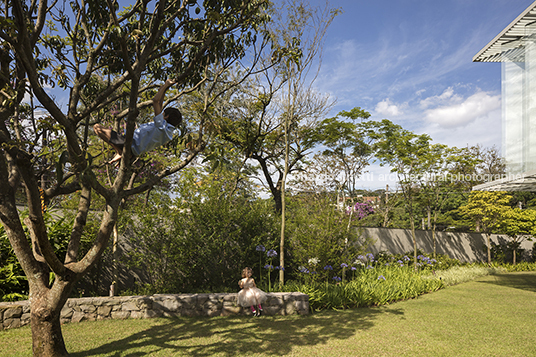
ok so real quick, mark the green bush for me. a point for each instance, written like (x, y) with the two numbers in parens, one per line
(202, 247)
(320, 238)
(13, 282)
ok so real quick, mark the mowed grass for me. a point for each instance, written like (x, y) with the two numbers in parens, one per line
(491, 316)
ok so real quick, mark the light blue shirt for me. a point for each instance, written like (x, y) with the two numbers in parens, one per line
(151, 135)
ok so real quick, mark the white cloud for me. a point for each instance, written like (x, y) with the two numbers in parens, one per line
(485, 130)
(460, 113)
(447, 95)
(386, 108)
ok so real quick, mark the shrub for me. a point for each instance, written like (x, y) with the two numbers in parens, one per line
(318, 236)
(13, 282)
(202, 247)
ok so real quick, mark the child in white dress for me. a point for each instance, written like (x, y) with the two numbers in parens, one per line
(250, 295)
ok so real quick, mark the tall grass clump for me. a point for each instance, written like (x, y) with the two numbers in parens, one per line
(370, 287)
(522, 266)
(461, 274)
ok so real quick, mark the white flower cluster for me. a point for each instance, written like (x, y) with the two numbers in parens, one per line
(313, 261)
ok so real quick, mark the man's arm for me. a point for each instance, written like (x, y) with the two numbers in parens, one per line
(158, 100)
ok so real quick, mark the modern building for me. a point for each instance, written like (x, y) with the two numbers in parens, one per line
(515, 49)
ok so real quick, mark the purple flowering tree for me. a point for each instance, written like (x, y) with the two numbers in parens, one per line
(360, 210)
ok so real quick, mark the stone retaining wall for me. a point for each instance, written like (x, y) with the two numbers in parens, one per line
(17, 314)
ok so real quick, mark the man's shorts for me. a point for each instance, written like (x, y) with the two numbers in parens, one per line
(117, 139)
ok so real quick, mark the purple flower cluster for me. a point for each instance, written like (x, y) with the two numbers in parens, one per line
(271, 253)
(361, 210)
(426, 260)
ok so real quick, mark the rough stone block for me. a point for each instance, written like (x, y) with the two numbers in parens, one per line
(25, 319)
(188, 300)
(272, 310)
(230, 297)
(88, 309)
(145, 303)
(152, 313)
(229, 310)
(130, 306)
(104, 311)
(11, 323)
(172, 304)
(67, 312)
(137, 314)
(190, 312)
(13, 312)
(302, 307)
(77, 316)
(171, 314)
(90, 317)
(121, 315)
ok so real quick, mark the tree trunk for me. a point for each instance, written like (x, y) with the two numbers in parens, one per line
(489, 248)
(434, 227)
(434, 240)
(412, 221)
(45, 322)
(47, 337)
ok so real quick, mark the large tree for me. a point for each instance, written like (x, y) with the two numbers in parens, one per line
(405, 152)
(438, 166)
(347, 148)
(270, 116)
(100, 54)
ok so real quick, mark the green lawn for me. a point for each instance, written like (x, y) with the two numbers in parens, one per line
(491, 316)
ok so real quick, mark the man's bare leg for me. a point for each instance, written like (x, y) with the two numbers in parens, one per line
(105, 134)
(116, 158)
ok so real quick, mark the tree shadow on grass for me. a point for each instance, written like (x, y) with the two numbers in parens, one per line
(268, 335)
(522, 280)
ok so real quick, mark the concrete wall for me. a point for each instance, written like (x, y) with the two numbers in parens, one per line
(466, 247)
(17, 314)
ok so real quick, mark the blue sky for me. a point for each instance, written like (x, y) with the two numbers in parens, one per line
(410, 61)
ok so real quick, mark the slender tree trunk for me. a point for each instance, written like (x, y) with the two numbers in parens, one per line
(434, 227)
(434, 240)
(115, 258)
(514, 252)
(489, 247)
(412, 221)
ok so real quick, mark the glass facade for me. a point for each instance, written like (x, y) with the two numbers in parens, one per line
(519, 102)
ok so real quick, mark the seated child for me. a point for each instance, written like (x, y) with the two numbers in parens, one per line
(250, 295)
